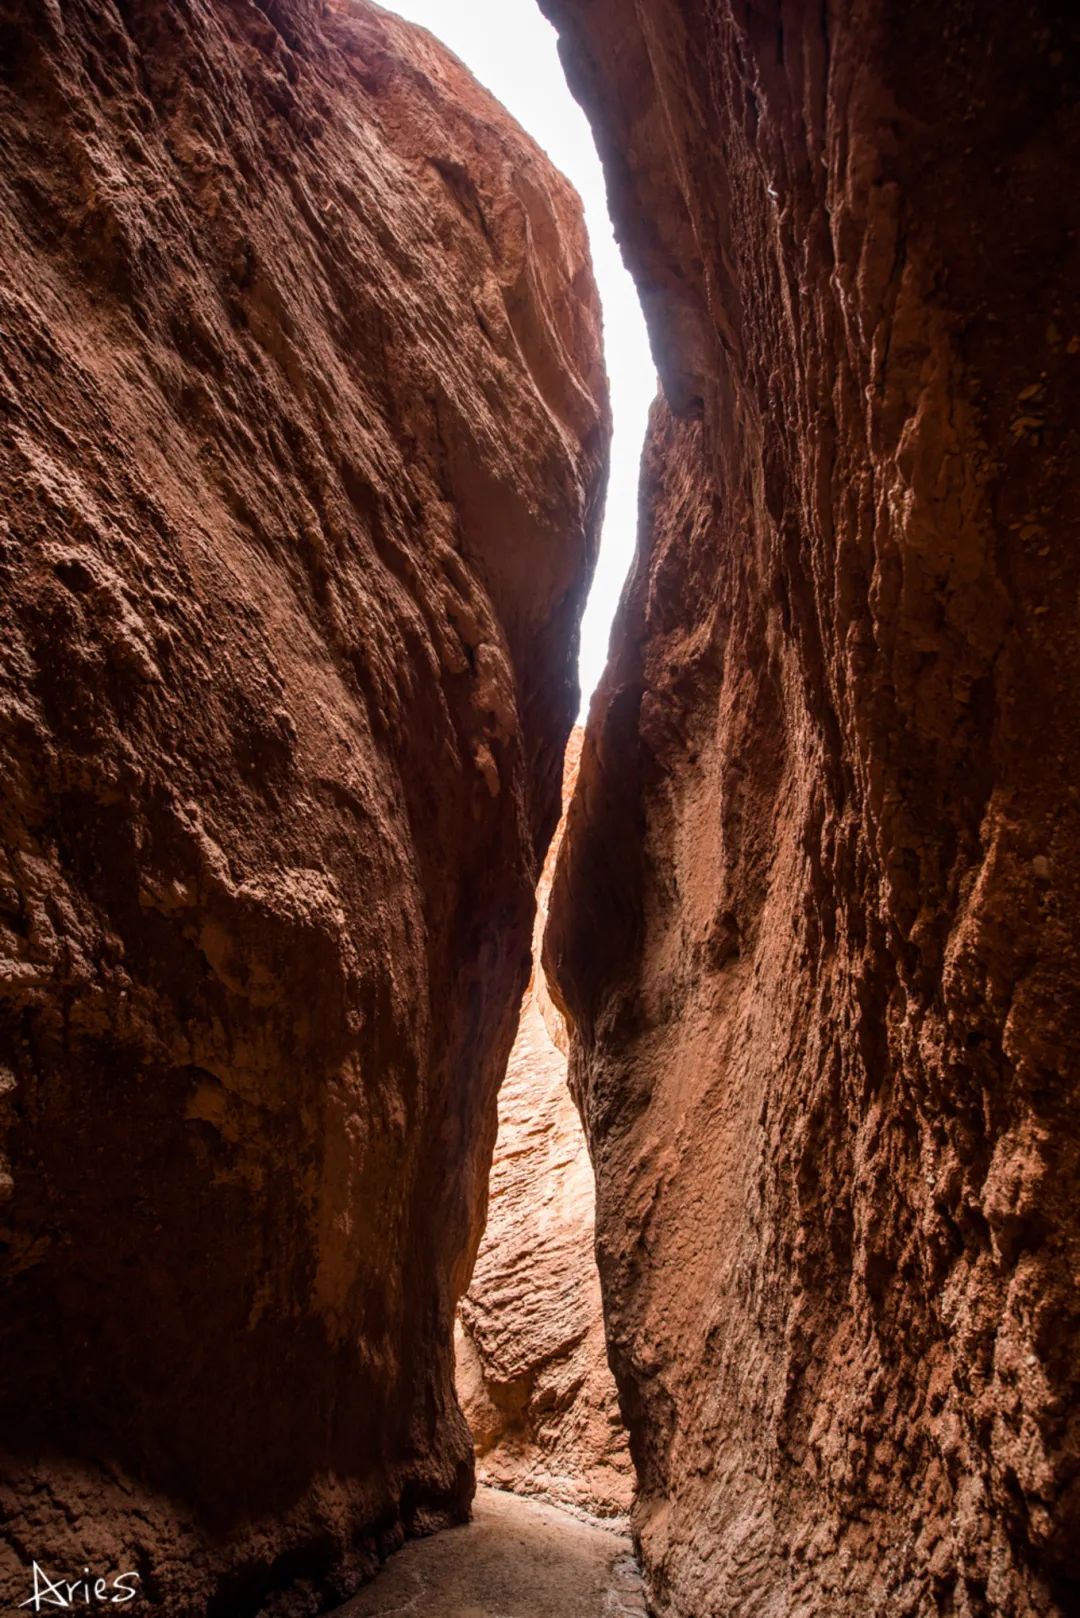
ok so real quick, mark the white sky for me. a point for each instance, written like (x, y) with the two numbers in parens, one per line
(511, 49)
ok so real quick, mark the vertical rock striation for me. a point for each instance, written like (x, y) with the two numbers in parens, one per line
(816, 916)
(532, 1370)
(304, 432)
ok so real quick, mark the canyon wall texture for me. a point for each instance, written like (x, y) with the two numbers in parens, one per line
(532, 1370)
(816, 918)
(304, 432)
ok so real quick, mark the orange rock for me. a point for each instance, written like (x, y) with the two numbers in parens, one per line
(532, 1371)
(304, 439)
(817, 918)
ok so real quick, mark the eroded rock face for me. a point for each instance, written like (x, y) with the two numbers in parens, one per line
(304, 432)
(532, 1371)
(815, 922)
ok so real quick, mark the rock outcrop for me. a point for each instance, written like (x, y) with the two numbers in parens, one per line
(816, 918)
(304, 431)
(532, 1371)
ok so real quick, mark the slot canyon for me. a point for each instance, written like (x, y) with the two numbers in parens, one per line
(421, 1189)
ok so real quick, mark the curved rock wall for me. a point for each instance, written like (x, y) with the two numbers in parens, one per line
(532, 1370)
(815, 921)
(304, 439)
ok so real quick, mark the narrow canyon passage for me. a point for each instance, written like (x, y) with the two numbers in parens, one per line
(305, 440)
(532, 1372)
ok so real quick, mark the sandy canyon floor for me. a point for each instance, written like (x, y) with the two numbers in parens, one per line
(516, 1559)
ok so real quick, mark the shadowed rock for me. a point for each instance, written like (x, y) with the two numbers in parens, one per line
(816, 918)
(304, 435)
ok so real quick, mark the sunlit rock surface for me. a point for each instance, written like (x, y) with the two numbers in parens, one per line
(532, 1369)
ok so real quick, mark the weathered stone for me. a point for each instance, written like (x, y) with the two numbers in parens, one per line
(532, 1371)
(815, 922)
(303, 439)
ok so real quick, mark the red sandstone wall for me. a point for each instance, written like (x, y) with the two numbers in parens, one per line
(304, 429)
(532, 1370)
(815, 921)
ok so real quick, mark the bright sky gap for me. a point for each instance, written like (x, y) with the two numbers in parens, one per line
(511, 48)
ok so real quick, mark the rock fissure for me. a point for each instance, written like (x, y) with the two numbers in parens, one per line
(532, 1371)
(766, 1043)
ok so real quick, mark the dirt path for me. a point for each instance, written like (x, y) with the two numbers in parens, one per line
(517, 1559)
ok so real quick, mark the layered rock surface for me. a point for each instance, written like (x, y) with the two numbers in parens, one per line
(815, 921)
(304, 435)
(532, 1371)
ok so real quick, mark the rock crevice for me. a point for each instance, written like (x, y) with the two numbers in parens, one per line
(532, 1370)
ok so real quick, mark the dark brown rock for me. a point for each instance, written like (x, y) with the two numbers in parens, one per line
(816, 918)
(303, 439)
